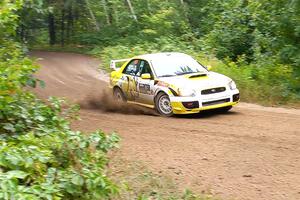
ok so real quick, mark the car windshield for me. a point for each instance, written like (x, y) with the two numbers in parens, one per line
(176, 65)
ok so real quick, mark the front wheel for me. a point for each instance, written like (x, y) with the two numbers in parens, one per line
(163, 105)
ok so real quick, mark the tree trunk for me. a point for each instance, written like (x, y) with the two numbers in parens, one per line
(148, 7)
(111, 11)
(108, 17)
(51, 29)
(131, 10)
(62, 36)
(184, 9)
(69, 22)
(114, 13)
(92, 15)
(22, 32)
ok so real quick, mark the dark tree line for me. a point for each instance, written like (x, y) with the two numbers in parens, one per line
(228, 28)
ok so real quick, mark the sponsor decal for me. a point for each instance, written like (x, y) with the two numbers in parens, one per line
(144, 88)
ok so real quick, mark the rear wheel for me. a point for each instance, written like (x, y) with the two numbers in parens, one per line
(163, 105)
(118, 95)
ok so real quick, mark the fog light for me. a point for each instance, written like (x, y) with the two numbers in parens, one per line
(191, 104)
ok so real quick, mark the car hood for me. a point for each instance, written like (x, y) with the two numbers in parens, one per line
(198, 81)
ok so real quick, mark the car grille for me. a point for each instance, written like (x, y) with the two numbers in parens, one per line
(209, 103)
(236, 97)
(213, 90)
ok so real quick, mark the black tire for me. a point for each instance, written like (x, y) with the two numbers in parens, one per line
(119, 95)
(163, 105)
(224, 109)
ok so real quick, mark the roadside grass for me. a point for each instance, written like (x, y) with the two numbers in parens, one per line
(136, 181)
(82, 49)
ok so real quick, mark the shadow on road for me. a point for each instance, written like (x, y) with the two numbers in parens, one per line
(207, 114)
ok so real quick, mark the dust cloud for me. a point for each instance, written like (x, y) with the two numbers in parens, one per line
(106, 102)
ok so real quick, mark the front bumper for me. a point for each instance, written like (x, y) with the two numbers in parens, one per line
(189, 105)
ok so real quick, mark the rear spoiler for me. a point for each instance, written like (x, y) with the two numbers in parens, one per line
(113, 63)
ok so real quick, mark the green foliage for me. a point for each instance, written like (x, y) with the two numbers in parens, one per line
(51, 161)
(269, 84)
(257, 29)
(231, 34)
(40, 156)
(8, 17)
(226, 29)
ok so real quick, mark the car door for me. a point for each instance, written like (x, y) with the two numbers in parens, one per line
(129, 80)
(145, 86)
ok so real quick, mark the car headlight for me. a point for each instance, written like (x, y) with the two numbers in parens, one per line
(186, 92)
(232, 85)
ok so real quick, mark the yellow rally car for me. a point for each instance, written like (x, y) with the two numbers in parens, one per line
(172, 83)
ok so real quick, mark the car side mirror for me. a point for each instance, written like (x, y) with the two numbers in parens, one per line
(146, 76)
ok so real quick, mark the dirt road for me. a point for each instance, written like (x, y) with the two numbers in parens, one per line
(252, 152)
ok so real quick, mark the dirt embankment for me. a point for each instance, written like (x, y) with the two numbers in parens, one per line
(252, 152)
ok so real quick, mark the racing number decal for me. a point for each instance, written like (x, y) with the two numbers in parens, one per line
(132, 87)
(131, 82)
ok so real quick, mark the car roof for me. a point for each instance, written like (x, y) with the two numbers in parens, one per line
(162, 55)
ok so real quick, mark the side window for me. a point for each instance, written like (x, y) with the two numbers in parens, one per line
(132, 68)
(144, 68)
